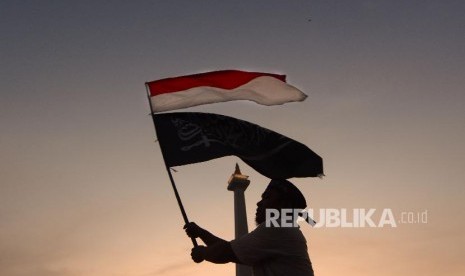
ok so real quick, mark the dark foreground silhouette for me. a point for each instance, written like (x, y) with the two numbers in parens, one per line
(270, 250)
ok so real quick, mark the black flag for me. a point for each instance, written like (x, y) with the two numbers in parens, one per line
(188, 137)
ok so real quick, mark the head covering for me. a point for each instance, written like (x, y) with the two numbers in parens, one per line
(289, 192)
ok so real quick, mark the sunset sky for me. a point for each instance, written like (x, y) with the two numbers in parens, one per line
(83, 188)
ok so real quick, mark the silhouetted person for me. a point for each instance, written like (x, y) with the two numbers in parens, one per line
(271, 249)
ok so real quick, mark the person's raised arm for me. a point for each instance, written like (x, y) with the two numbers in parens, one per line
(195, 231)
(217, 250)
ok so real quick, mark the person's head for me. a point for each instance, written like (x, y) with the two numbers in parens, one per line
(280, 194)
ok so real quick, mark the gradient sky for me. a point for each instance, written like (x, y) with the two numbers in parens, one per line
(83, 189)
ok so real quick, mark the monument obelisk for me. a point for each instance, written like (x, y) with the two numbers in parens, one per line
(238, 183)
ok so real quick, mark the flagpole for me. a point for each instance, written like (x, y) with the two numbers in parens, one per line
(173, 185)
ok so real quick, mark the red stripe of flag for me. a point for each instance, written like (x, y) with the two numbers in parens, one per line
(226, 79)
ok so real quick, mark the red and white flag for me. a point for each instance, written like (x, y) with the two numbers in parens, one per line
(221, 86)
